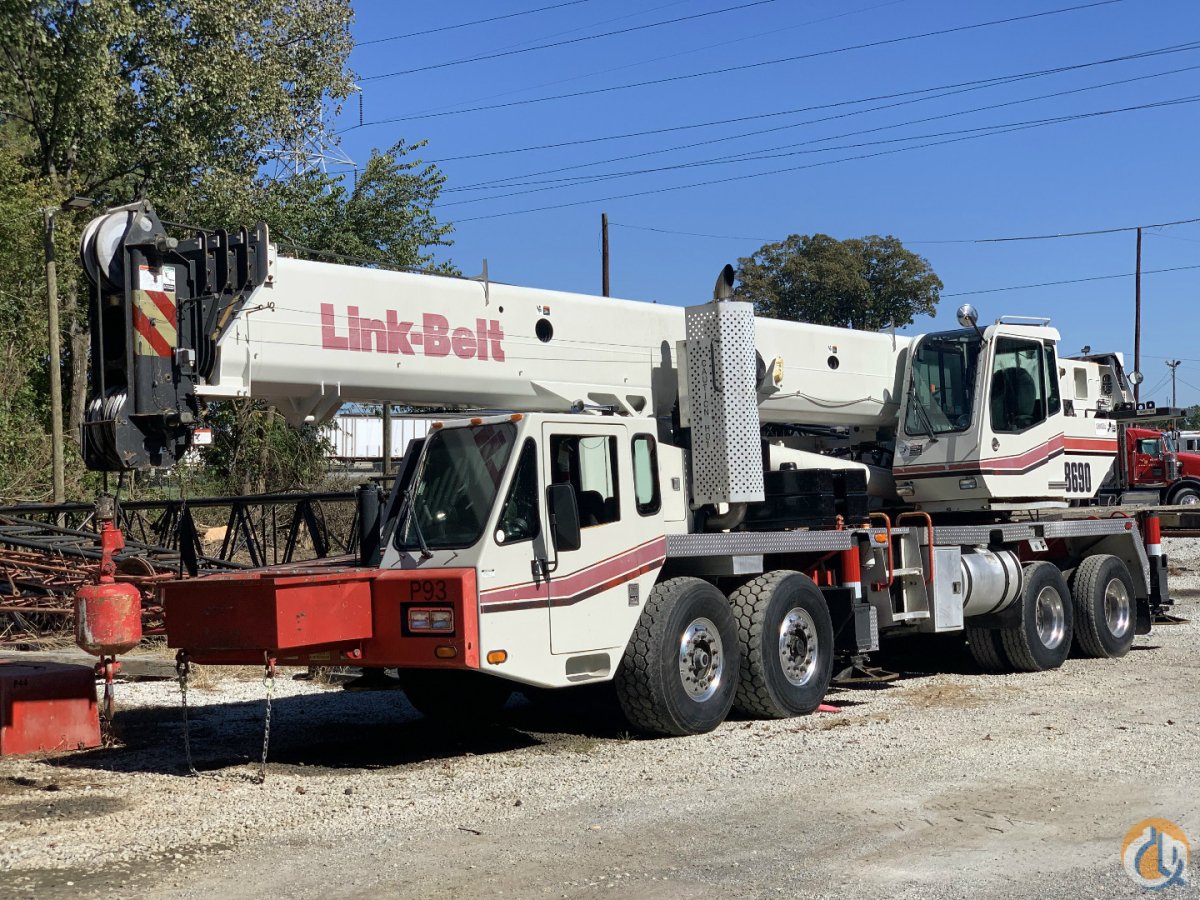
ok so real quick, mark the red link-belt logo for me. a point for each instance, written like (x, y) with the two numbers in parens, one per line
(433, 336)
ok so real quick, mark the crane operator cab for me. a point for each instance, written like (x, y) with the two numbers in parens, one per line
(993, 419)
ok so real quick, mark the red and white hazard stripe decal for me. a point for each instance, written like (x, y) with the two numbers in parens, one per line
(154, 323)
(576, 587)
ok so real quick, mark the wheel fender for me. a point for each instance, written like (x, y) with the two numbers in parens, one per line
(1180, 485)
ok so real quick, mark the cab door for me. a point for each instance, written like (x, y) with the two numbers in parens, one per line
(1148, 465)
(590, 597)
(1024, 456)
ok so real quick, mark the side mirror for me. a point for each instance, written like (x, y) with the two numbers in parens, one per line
(564, 517)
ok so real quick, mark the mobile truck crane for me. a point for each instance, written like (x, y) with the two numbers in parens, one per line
(704, 506)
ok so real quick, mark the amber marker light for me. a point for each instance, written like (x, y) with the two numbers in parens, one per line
(445, 651)
(495, 657)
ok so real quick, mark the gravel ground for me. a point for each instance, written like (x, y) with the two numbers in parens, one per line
(947, 784)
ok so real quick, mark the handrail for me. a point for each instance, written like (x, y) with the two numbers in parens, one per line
(891, 560)
(921, 514)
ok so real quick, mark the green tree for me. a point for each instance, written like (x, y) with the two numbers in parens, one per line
(384, 217)
(199, 105)
(24, 419)
(868, 283)
(254, 451)
(183, 101)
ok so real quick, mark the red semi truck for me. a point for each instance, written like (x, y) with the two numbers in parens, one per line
(1153, 469)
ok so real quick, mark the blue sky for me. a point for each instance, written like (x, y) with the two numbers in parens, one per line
(1107, 170)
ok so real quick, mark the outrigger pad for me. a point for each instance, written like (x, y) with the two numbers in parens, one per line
(47, 707)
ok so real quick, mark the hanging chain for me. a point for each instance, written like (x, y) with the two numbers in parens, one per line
(182, 670)
(269, 684)
(107, 666)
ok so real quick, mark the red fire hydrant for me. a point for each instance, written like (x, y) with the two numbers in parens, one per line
(108, 615)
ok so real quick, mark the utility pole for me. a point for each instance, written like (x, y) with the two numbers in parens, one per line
(56, 422)
(1137, 316)
(604, 249)
(1173, 364)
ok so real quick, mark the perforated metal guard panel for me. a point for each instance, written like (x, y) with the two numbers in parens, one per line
(726, 453)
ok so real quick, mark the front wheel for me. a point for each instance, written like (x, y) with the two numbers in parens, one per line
(1105, 608)
(786, 637)
(1184, 496)
(1041, 638)
(679, 672)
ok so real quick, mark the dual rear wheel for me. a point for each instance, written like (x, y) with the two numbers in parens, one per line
(695, 654)
(1094, 612)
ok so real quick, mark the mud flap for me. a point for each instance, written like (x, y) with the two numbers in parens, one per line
(855, 626)
(1160, 595)
(1143, 616)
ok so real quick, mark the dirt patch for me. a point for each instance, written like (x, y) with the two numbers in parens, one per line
(55, 806)
(945, 696)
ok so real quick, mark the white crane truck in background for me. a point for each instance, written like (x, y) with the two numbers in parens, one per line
(707, 507)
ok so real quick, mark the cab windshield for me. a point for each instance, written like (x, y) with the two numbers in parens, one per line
(455, 486)
(942, 391)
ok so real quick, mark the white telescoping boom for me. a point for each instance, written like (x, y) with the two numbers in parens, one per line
(677, 499)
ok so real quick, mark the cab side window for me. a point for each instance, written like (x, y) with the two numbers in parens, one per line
(645, 475)
(1018, 388)
(520, 519)
(589, 464)
(1050, 367)
(1149, 447)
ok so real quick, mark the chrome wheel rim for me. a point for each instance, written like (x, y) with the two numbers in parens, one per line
(798, 647)
(701, 659)
(1189, 500)
(1118, 611)
(1050, 618)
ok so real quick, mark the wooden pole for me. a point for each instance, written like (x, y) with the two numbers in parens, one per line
(604, 250)
(1137, 318)
(56, 418)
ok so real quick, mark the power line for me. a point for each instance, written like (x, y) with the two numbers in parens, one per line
(719, 237)
(952, 87)
(988, 240)
(578, 40)
(724, 45)
(1022, 287)
(770, 62)
(525, 12)
(961, 135)
(769, 153)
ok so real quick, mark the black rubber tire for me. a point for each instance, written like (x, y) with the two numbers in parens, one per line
(1094, 636)
(454, 696)
(760, 607)
(987, 649)
(649, 685)
(1024, 649)
(1183, 494)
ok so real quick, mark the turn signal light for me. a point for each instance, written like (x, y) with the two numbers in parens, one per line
(881, 538)
(495, 657)
(445, 651)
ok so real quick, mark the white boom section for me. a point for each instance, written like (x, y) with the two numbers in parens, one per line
(317, 335)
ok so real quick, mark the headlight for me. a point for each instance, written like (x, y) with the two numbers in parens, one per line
(426, 618)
